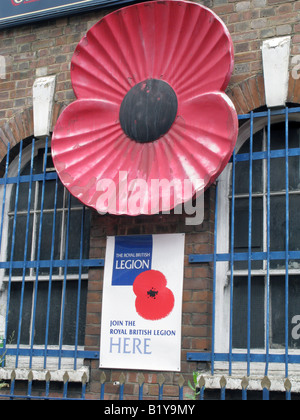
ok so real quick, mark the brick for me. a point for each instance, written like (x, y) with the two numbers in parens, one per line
(259, 3)
(243, 5)
(254, 93)
(270, 11)
(297, 91)
(291, 89)
(3, 148)
(9, 134)
(261, 89)
(283, 30)
(239, 98)
(224, 9)
(247, 95)
(23, 39)
(3, 137)
(268, 33)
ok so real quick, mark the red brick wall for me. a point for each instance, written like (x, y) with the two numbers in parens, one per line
(197, 295)
(46, 48)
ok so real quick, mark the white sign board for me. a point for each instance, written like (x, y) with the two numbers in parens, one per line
(142, 302)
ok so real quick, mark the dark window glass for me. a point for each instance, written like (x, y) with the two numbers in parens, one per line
(72, 223)
(240, 312)
(281, 216)
(278, 312)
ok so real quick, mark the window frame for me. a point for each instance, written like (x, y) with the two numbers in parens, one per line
(37, 362)
(223, 274)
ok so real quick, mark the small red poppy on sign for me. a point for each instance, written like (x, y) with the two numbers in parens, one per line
(154, 300)
(149, 80)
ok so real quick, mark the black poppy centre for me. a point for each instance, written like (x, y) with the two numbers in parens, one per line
(148, 110)
(152, 293)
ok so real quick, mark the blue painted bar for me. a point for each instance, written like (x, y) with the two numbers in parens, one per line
(242, 357)
(58, 263)
(13, 244)
(82, 354)
(65, 391)
(102, 391)
(160, 392)
(249, 248)
(36, 397)
(83, 391)
(4, 180)
(121, 392)
(274, 154)
(214, 282)
(25, 251)
(287, 224)
(51, 273)
(266, 394)
(26, 178)
(201, 396)
(3, 208)
(79, 286)
(181, 393)
(242, 256)
(231, 260)
(64, 283)
(267, 335)
(29, 388)
(38, 254)
(12, 387)
(47, 392)
(223, 393)
(141, 390)
(295, 110)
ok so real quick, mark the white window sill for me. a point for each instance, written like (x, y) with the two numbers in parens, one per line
(22, 374)
(276, 376)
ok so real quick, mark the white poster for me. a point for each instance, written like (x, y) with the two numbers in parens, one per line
(142, 302)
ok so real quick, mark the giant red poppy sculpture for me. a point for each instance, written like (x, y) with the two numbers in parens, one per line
(149, 80)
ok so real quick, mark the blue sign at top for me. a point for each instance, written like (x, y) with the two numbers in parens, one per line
(133, 256)
(13, 12)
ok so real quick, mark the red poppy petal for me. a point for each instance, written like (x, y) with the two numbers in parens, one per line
(147, 280)
(203, 56)
(153, 299)
(84, 135)
(139, 42)
(153, 310)
(208, 130)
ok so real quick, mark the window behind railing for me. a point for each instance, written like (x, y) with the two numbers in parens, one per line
(256, 259)
(44, 236)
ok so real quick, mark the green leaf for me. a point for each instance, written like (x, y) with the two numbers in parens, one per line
(191, 386)
(195, 377)
(189, 396)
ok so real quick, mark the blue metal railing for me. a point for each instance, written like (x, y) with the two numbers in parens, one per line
(250, 356)
(37, 264)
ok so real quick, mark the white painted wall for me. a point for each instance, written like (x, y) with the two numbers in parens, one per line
(276, 56)
(43, 100)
